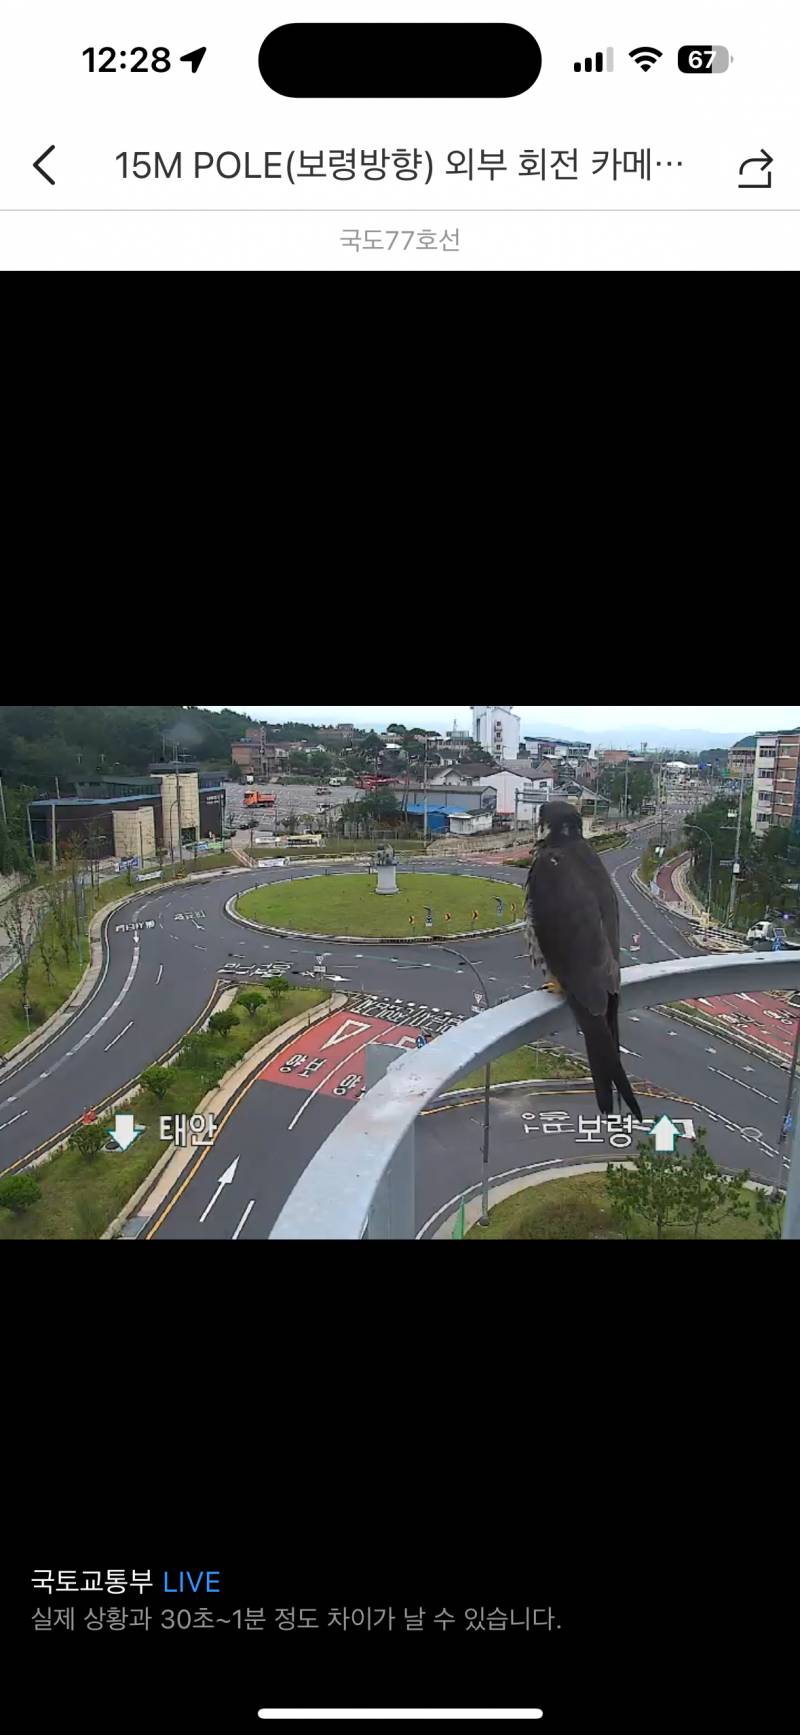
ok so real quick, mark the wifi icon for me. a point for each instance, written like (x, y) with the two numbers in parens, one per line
(645, 57)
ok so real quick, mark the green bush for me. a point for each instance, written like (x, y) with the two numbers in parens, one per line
(88, 1141)
(251, 1000)
(222, 1022)
(157, 1079)
(278, 986)
(18, 1193)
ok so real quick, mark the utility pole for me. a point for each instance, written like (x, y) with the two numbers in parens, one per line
(2, 801)
(53, 836)
(30, 834)
(425, 802)
(180, 819)
(627, 768)
(736, 864)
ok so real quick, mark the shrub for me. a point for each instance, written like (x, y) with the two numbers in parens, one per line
(87, 1141)
(18, 1193)
(157, 1080)
(222, 1022)
(251, 1000)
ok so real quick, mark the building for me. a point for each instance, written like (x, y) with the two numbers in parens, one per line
(463, 774)
(469, 824)
(135, 819)
(776, 782)
(742, 758)
(254, 755)
(519, 797)
(541, 747)
(497, 729)
(333, 735)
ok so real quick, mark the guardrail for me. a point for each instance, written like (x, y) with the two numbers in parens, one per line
(357, 1186)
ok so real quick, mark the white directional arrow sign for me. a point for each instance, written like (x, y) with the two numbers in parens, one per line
(125, 1131)
(224, 1181)
(665, 1133)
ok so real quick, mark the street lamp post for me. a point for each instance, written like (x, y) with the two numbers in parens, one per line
(487, 1089)
(737, 863)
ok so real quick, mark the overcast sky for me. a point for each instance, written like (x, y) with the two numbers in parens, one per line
(734, 720)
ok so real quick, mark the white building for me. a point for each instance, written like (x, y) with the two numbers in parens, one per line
(519, 797)
(469, 824)
(497, 729)
(764, 783)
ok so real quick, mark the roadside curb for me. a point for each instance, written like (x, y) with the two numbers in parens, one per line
(214, 1102)
(375, 939)
(473, 1200)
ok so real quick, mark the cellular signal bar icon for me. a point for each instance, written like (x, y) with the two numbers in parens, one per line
(598, 64)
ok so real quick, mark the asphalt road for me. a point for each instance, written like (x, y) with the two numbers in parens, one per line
(157, 984)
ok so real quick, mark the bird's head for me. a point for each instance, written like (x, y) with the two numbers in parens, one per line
(559, 822)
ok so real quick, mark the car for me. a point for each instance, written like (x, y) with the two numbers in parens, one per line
(761, 934)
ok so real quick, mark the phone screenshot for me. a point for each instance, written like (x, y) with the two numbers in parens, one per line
(382, 135)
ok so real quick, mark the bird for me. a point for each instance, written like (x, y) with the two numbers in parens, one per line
(573, 923)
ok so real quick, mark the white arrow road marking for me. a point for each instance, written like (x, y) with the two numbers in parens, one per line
(634, 1019)
(118, 1038)
(711, 1051)
(17, 1117)
(631, 1051)
(238, 1232)
(224, 1181)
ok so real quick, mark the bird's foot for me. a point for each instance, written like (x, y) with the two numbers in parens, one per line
(552, 987)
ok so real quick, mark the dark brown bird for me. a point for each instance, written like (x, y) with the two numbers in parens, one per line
(573, 919)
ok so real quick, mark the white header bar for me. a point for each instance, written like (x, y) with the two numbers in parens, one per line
(399, 1716)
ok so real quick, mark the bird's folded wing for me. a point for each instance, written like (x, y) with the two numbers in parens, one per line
(567, 916)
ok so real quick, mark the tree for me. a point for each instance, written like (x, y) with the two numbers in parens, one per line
(278, 986)
(708, 1195)
(88, 1141)
(651, 1189)
(60, 907)
(47, 950)
(770, 1209)
(157, 1079)
(222, 1022)
(251, 1000)
(22, 928)
(18, 1193)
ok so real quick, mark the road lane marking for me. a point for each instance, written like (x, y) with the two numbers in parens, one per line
(119, 1038)
(329, 1075)
(640, 919)
(112, 1009)
(17, 1117)
(160, 974)
(224, 1181)
(238, 1232)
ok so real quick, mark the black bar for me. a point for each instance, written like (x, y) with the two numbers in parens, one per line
(399, 60)
(588, 64)
(598, 62)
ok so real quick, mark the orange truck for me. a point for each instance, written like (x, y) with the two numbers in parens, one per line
(257, 798)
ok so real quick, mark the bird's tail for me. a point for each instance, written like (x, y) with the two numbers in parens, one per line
(602, 1046)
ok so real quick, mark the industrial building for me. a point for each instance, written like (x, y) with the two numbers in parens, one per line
(133, 818)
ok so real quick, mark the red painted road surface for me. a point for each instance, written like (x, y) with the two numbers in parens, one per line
(762, 1017)
(329, 1058)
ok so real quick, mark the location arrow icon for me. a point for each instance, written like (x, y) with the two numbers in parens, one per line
(38, 165)
(125, 1131)
(194, 57)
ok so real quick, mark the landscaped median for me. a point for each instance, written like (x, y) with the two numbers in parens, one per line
(527, 1064)
(347, 906)
(81, 1192)
(578, 1208)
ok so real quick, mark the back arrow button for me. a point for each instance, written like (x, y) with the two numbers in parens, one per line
(38, 165)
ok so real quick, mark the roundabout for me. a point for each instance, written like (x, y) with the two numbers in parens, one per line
(349, 906)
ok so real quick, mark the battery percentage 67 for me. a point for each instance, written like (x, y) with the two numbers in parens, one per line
(695, 57)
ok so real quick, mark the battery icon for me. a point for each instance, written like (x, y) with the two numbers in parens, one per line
(699, 57)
